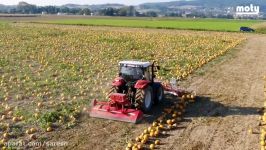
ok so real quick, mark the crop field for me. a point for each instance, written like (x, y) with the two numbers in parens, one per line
(260, 28)
(189, 24)
(49, 73)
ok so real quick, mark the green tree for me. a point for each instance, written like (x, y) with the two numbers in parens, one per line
(151, 14)
(131, 11)
(122, 11)
(85, 11)
(26, 8)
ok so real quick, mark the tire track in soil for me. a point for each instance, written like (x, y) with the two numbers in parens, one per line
(232, 92)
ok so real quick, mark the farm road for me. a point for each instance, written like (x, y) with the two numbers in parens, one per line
(232, 92)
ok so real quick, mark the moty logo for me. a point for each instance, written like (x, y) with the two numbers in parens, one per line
(248, 10)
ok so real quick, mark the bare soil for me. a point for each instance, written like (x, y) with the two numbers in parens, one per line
(231, 92)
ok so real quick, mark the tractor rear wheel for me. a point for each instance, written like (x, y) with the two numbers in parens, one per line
(159, 93)
(144, 99)
(112, 90)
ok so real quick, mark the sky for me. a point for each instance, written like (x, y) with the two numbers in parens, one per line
(61, 2)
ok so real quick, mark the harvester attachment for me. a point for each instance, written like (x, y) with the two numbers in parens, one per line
(179, 92)
(118, 108)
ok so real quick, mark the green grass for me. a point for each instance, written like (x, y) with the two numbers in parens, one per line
(190, 24)
(3, 21)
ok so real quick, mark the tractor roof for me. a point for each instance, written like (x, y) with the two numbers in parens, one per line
(135, 63)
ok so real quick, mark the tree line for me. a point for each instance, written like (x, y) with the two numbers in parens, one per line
(25, 8)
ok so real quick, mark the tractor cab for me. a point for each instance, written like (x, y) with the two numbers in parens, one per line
(132, 71)
(133, 92)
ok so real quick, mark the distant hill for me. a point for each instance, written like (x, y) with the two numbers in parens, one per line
(206, 3)
(203, 3)
(4, 8)
(94, 7)
(74, 6)
(102, 6)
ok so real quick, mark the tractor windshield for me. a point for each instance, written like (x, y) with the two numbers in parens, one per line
(131, 73)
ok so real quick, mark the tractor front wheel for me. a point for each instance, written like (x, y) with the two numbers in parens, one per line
(144, 98)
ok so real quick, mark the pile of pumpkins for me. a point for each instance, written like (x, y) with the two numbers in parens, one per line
(171, 116)
(263, 120)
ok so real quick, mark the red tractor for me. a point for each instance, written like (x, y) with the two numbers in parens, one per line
(133, 92)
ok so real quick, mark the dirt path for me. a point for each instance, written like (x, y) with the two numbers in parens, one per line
(232, 92)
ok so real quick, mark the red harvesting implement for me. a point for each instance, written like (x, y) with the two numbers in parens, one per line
(116, 109)
(133, 93)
